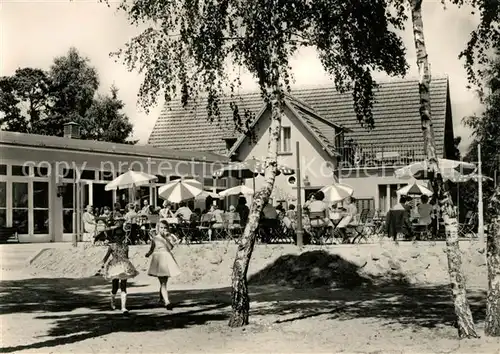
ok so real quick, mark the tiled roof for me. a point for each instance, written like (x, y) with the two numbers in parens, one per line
(57, 143)
(395, 111)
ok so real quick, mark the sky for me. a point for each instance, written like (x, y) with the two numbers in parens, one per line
(33, 32)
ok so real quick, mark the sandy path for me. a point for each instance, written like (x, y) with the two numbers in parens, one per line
(46, 313)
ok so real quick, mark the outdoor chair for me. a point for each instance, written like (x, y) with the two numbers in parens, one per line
(269, 230)
(218, 226)
(204, 228)
(233, 225)
(468, 227)
(319, 226)
(362, 228)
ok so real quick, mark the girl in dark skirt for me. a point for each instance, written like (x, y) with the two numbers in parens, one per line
(119, 269)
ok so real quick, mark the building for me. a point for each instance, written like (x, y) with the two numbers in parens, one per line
(39, 177)
(331, 140)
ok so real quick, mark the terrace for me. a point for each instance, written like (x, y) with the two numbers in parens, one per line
(354, 156)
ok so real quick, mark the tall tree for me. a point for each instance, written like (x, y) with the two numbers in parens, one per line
(105, 121)
(35, 101)
(486, 131)
(190, 45)
(25, 99)
(483, 67)
(465, 321)
(74, 84)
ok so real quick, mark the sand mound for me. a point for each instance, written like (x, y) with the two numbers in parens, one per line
(341, 266)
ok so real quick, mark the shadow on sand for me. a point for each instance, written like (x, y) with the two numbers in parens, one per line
(293, 288)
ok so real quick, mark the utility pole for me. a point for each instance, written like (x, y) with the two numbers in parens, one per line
(480, 225)
(299, 231)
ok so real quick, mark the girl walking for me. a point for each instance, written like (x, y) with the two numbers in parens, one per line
(163, 264)
(119, 269)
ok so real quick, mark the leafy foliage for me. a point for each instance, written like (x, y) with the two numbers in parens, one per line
(189, 46)
(482, 40)
(486, 131)
(35, 101)
(24, 99)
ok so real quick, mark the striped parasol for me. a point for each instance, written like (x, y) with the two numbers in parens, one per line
(130, 179)
(179, 190)
(450, 170)
(414, 189)
(237, 190)
(249, 169)
(337, 192)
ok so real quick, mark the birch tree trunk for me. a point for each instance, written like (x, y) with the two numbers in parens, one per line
(492, 325)
(240, 299)
(465, 322)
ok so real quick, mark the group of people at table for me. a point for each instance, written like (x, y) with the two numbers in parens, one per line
(335, 218)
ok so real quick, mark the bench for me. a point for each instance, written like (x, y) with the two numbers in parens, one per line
(7, 233)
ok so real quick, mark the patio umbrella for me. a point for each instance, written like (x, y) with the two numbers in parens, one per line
(450, 169)
(179, 190)
(236, 191)
(414, 189)
(130, 179)
(206, 194)
(337, 192)
(249, 169)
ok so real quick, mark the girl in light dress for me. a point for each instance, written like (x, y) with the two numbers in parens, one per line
(119, 269)
(163, 264)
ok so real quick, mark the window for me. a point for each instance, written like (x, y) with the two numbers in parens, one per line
(106, 175)
(20, 206)
(161, 179)
(41, 172)
(3, 170)
(3, 204)
(68, 173)
(21, 171)
(387, 194)
(365, 203)
(67, 200)
(173, 178)
(41, 207)
(285, 141)
(87, 174)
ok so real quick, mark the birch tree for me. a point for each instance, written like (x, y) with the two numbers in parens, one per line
(188, 48)
(482, 39)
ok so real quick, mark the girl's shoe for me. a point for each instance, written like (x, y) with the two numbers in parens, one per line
(169, 306)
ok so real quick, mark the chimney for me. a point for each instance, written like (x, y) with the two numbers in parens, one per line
(72, 130)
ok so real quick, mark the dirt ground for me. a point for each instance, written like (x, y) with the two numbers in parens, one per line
(377, 298)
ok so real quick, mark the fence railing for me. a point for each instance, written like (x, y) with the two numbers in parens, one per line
(363, 156)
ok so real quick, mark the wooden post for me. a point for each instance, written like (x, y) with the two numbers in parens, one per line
(75, 210)
(299, 231)
(480, 227)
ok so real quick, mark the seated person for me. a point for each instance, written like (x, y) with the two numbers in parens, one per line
(146, 209)
(398, 219)
(117, 214)
(269, 212)
(89, 223)
(183, 213)
(317, 205)
(166, 212)
(349, 217)
(291, 213)
(425, 211)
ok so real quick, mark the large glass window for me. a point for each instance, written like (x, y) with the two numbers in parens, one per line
(3, 204)
(101, 197)
(21, 171)
(68, 209)
(20, 206)
(41, 207)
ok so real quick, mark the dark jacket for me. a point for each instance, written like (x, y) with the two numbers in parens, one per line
(398, 221)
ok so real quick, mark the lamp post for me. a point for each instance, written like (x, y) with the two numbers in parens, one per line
(299, 231)
(480, 226)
